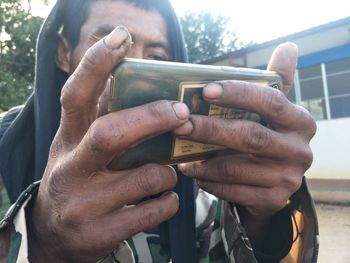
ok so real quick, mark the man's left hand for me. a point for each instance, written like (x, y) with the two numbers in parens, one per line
(274, 158)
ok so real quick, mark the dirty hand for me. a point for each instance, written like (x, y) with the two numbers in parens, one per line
(81, 212)
(274, 158)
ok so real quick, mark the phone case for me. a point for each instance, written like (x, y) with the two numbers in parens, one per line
(136, 82)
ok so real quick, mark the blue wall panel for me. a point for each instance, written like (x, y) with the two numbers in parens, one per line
(324, 56)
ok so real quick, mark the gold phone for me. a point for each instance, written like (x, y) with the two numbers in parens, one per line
(136, 82)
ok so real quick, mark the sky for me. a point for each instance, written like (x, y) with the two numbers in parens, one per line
(260, 20)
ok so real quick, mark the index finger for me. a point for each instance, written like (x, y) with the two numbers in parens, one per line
(81, 92)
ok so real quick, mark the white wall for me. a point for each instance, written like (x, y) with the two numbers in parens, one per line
(331, 147)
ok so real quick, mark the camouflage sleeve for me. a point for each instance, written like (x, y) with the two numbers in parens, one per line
(294, 237)
(13, 232)
(4, 200)
(14, 239)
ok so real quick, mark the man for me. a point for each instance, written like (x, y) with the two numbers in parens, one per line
(197, 106)
(84, 212)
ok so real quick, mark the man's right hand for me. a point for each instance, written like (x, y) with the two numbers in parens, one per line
(81, 212)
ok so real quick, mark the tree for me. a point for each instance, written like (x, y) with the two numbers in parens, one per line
(207, 36)
(18, 32)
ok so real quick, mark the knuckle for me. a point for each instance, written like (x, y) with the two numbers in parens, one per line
(309, 126)
(212, 130)
(73, 96)
(313, 128)
(150, 216)
(194, 169)
(221, 189)
(68, 97)
(226, 169)
(255, 139)
(278, 201)
(58, 184)
(215, 128)
(126, 228)
(245, 92)
(305, 157)
(99, 137)
(170, 175)
(96, 138)
(56, 147)
(276, 102)
(308, 157)
(149, 181)
(294, 183)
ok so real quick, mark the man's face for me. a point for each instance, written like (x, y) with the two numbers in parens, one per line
(148, 30)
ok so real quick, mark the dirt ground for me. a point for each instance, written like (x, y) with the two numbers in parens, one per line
(334, 224)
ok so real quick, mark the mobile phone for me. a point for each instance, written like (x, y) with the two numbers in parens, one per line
(136, 82)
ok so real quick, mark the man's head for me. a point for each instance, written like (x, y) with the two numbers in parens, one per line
(146, 21)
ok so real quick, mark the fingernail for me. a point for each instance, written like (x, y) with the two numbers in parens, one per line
(117, 37)
(170, 194)
(125, 29)
(213, 91)
(185, 129)
(181, 110)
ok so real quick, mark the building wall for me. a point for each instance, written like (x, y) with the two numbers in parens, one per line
(331, 147)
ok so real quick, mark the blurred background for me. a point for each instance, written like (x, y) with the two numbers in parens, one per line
(242, 34)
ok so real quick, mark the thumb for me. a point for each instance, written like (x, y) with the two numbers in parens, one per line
(284, 62)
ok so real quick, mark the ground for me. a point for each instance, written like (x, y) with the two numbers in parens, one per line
(334, 224)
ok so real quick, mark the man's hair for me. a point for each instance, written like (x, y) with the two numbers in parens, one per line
(77, 12)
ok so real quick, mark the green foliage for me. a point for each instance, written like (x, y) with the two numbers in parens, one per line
(207, 36)
(18, 32)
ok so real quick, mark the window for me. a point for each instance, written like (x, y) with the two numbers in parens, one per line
(312, 95)
(291, 95)
(338, 78)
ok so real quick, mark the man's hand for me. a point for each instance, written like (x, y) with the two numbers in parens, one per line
(81, 212)
(274, 158)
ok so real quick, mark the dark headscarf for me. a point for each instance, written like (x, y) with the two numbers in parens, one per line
(25, 145)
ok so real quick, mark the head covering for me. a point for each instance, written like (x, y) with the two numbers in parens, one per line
(25, 145)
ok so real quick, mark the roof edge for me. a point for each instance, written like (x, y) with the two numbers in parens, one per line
(280, 40)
